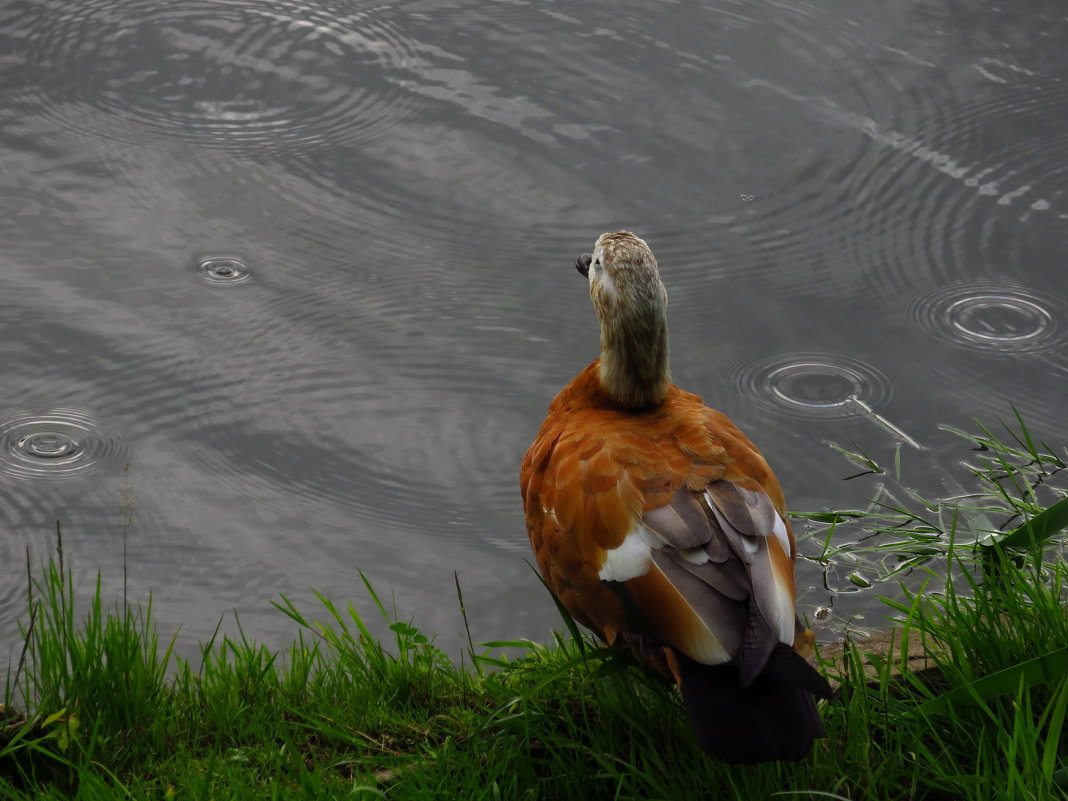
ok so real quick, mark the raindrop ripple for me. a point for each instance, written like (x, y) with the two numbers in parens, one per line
(811, 385)
(222, 270)
(992, 316)
(273, 76)
(58, 444)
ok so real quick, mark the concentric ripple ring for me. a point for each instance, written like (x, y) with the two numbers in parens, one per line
(811, 385)
(277, 76)
(222, 270)
(992, 316)
(58, 444)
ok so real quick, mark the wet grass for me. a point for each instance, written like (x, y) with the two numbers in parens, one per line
(1019, 496)
(112, 713)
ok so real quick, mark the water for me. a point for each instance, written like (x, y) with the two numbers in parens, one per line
(288, 284)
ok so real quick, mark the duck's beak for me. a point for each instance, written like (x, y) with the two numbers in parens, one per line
(583, 264)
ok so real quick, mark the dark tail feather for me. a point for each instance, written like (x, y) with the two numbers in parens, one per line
(773, 718)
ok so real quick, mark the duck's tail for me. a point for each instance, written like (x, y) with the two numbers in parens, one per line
(772, 718)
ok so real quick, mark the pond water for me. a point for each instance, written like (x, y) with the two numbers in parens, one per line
(288, 284)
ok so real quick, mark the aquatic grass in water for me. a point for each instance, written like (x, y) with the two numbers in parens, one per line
(1021, 499)
(113, 713)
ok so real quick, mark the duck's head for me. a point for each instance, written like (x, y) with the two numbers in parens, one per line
(631, 305)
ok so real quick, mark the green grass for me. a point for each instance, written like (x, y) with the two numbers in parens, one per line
(1019, 497)
(113, 713)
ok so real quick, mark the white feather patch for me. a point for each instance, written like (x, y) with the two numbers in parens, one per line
(633, 556)
(778, 609)
(782, 535)
(787, 613)
(786, 623)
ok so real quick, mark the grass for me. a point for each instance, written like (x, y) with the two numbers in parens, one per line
(1020, 497)
(113, 713)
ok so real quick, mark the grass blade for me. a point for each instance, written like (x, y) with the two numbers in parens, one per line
(1046, 524)
(1048, 667)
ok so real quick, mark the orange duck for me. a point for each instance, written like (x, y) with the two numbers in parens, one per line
(660, 527)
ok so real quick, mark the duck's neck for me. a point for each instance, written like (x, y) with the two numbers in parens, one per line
(634, 359)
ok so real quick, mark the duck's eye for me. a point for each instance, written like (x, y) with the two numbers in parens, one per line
(583, 263)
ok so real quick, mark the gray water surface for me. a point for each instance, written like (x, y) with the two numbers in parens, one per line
(287, 285)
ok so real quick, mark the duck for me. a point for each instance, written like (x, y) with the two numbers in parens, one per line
(659, 526)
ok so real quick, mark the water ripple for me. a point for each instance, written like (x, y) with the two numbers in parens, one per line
(249, 76)
(992, 315)
(920, 175)
(222, 270)
(810, 385)
(58, 444)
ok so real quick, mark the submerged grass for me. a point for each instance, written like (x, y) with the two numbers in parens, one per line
(113, 713)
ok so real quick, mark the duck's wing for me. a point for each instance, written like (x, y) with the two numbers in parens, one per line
(711, 574)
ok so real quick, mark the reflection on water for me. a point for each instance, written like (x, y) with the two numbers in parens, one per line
(305, 267)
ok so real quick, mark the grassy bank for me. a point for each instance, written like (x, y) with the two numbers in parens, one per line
(339, 714)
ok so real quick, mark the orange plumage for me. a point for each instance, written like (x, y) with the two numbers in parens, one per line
(658, 525)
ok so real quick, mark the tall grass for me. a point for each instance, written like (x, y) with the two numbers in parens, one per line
(110, 712)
